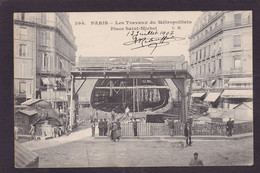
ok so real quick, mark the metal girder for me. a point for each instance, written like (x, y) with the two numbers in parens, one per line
(133, 74)
(81, 85)
(179, 83)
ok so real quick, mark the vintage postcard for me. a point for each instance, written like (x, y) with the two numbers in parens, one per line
(133, 89)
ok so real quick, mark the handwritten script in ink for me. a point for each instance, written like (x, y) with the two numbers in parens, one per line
(151, 39)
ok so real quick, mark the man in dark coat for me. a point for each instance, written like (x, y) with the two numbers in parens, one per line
(135, 127)
(187, 133)
(105, 127)
(93, 127)
(229, 127)
(100, 127)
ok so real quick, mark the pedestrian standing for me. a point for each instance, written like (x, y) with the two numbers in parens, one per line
(230, 126)
(135, 127)
(195, 161)
(171, 127)
(113, 132)
(105, 124)
(109, 128)
(118, 130)
(100, 127)
(127, 110)
(93, 127)
(187, 133)
(32, 132)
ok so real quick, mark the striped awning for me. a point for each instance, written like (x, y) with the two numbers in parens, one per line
(237, 94)
(25, 158)
(212, 97)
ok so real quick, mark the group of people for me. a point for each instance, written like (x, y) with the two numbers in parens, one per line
(106, 128)
(102, 127)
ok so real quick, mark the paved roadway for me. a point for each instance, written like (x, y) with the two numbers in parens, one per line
(81, 150)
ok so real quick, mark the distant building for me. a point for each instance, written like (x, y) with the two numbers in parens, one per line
(221, 55)
(44, 51)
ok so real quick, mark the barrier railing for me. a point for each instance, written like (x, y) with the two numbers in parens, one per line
(161, 129)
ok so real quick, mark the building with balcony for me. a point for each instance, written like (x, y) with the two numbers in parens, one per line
(221, 55)
(44, 53)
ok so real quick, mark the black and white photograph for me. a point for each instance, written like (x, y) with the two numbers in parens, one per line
(133, 89)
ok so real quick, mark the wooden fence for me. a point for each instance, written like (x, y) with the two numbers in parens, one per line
(161, 129)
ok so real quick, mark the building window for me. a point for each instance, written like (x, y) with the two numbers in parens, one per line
(219, 64)
(204, 52)
(23, 32)
(220, 44)
(209, 50)
(237, 40)
(214, 47)
(46, 62)
(22, 50)
(196, 56)
(205, 70)
(237, 62)
(210, 29)
(209, 66)
(214, 66)
(43, 18)
(45, 38)
(22, 16)
(22, 87)
(237, 19)
(200, 53)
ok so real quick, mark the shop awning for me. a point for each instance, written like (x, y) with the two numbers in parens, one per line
(197, 94)
(212, 97)
(46, 81)
(237, 94)
(241, 80)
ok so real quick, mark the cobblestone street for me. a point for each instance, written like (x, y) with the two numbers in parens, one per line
(90, 152)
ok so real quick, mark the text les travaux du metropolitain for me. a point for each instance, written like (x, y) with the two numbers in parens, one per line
(121, 23)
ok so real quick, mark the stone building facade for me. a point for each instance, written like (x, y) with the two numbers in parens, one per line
(44, 53)
(221, 54)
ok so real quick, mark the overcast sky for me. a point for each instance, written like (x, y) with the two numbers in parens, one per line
(100, 40)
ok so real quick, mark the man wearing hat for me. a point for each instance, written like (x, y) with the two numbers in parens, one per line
(229, 127)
